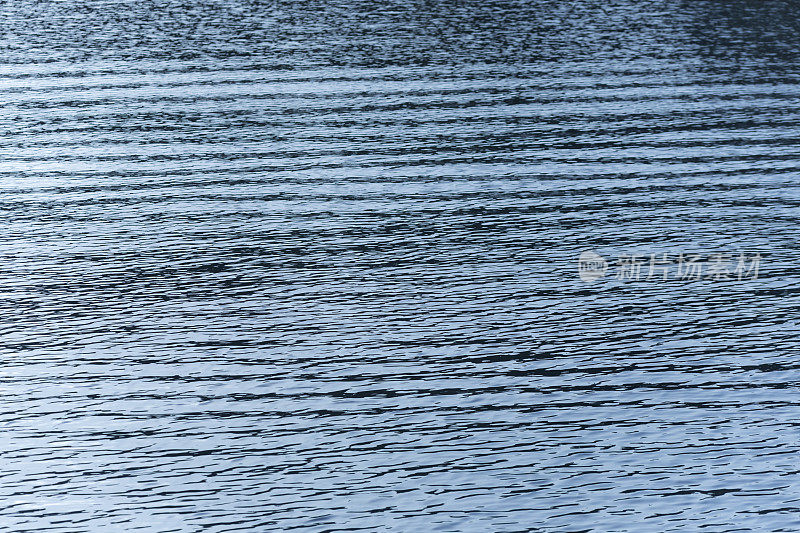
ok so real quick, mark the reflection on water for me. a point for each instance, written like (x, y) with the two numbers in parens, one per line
(746, 30)
(280, 266)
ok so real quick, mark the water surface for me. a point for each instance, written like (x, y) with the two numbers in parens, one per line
(277, 266)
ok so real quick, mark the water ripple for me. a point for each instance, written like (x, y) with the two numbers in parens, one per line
(284, 266)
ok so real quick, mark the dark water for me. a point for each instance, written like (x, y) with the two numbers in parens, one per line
(277, 266)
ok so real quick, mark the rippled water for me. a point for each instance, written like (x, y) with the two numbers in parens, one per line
(275, 266)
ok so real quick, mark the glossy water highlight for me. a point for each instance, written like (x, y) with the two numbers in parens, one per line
(278, 266)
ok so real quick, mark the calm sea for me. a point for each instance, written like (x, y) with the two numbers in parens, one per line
(275, 266)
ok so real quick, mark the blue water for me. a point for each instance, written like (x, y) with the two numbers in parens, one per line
(313, 266)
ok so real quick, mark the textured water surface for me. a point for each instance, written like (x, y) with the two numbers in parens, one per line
(277, 266)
